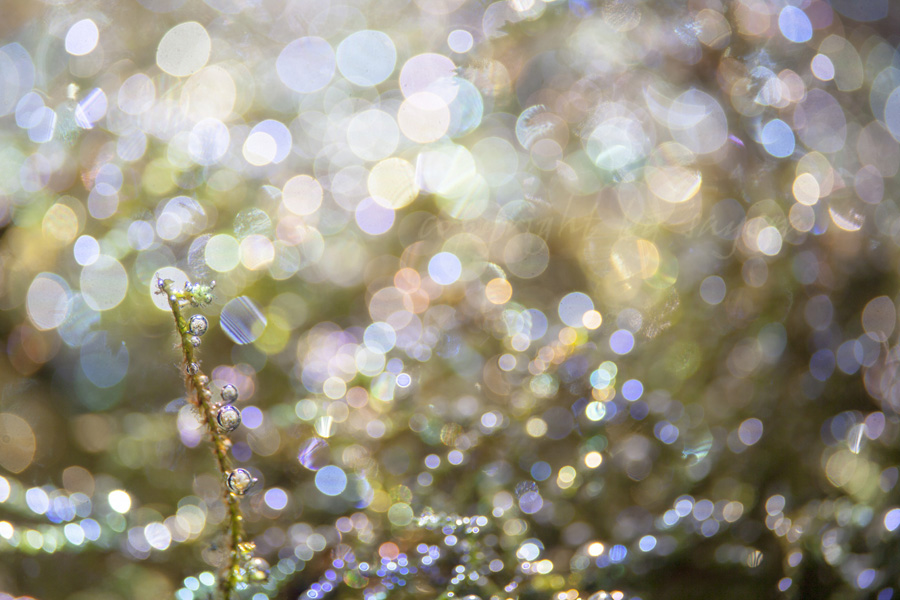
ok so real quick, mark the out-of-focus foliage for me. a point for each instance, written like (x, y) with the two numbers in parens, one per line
(522, 299)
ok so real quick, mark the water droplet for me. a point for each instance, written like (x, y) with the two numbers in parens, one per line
(194, 340)
(242, 321)
(202, 379)
(240, 481)
(104, 363)
(313, 454)
(523, 487)
(530, 502)
(228, 418)
(355, 579)
(323, 426)
(698, 449)
(229, 393)
(196, 260)
(198, 325)
(258, 570)
(754, 559)
(331, 480)
(535, 123)
(856, 436)
(252, 221)
(192, 368)
(201, 293)
(847, 218)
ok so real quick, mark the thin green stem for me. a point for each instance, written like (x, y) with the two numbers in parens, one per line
(197, 385)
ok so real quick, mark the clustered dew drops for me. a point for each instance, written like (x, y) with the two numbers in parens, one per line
(228, 418)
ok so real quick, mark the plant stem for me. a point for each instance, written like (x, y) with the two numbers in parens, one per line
(197, 386)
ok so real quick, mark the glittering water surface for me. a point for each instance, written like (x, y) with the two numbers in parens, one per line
(563, 299)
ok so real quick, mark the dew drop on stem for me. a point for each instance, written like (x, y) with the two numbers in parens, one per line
(239, 481)
(229, 393)
(228, 418)
(198, 325)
